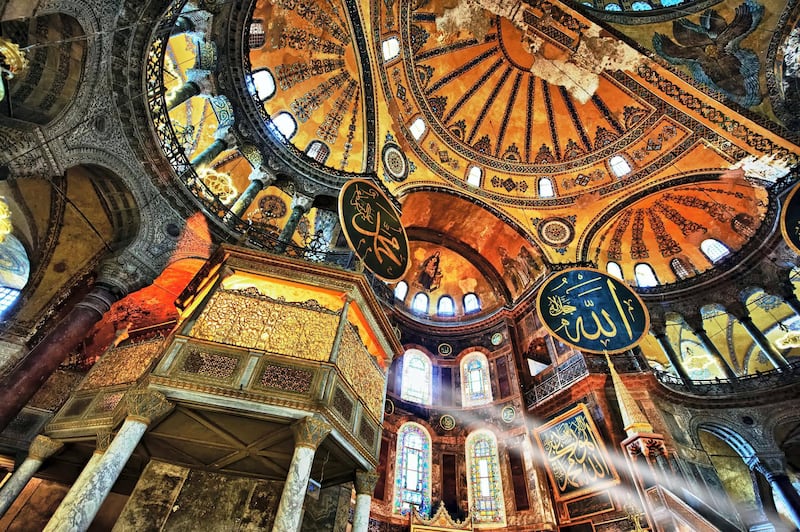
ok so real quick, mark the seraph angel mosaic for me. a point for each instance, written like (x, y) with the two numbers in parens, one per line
(711, 51)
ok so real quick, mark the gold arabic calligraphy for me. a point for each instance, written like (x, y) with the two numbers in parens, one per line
(576, 459)
(367, 220)
(605, 322)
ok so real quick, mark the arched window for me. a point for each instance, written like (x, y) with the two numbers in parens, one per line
(476, 388)
(401, 290)
(417, 128)
(641, 6)
(645, 276)
(474, 176)
(256, 38)
(391, 48)
(412, 479)
(285, 123)
(318, 151)
(613, 7)
(446, 306)
(613, 269)
(416, 383)
(471, 303)
(484, 484)
(420, 303)
(546, 189)
(670, 3)
(714, 250)
(618, 164)
(15, 269)
(264, 83)
(679, 268)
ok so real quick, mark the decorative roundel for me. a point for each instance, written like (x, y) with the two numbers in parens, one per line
(395, 162)
(508, 414)
(445, 349)
(273, 206)
(556, 232)
(388, 407)
(497, 338)
(447, 422)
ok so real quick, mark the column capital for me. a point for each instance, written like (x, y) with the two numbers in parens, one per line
(125, 272)
(263, 175)
(310, 431)
(146, 405)
(103, 439)
(225, 135)
(302, 202)
(694, 321)
(366, 481)
(43, 448)
(738, 310)
(769, 465)
(99, 299)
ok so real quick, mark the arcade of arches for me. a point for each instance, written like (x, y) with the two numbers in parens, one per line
(188, 342)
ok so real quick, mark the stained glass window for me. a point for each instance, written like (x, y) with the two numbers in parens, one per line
(476, 388)
(401, 290)
(15, 269)
(412, 479)
(264, 84)
(485, 486)
(286, 124)
(446, 307)
(679, 268)
(714, 249)
(645, 276)
(618, 164)
(318, 151)
(614, 269)
(471, 303)
(416, 384)
(546, 189)
(474, 176)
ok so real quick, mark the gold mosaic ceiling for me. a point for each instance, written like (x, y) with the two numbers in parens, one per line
(478, 101)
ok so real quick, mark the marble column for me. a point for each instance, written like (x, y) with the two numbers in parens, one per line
(260, 178)
(783, 486)
(79, 508)
(767, 348)
(365, 485)
(672, 356)
(308, 434)
(223, 139)
(29, 374)
(695, 323)
(300, 205)
(197, 82)
(41, 449)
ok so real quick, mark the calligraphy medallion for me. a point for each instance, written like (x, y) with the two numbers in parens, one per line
(592, 311)
(790, 219)
(373, 229)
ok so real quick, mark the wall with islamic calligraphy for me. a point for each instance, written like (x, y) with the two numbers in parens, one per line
(576, 459)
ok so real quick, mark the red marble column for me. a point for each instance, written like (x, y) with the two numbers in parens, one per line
(29, 375)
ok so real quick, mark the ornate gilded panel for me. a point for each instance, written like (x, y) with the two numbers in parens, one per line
(123, 365)
(361, 371)
(285, 378)
(249, 319)
(209, 365)
(577, 462)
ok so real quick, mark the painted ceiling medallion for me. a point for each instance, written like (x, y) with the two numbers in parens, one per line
(395, 162)
(556, 232)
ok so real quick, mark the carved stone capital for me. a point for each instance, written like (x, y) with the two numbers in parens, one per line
(146, 405)
(43, 448)
(771, 466)
(263, 175)
(310, 431)
(125, 273)
(104, 438)
(302, 202)
(366, 481)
